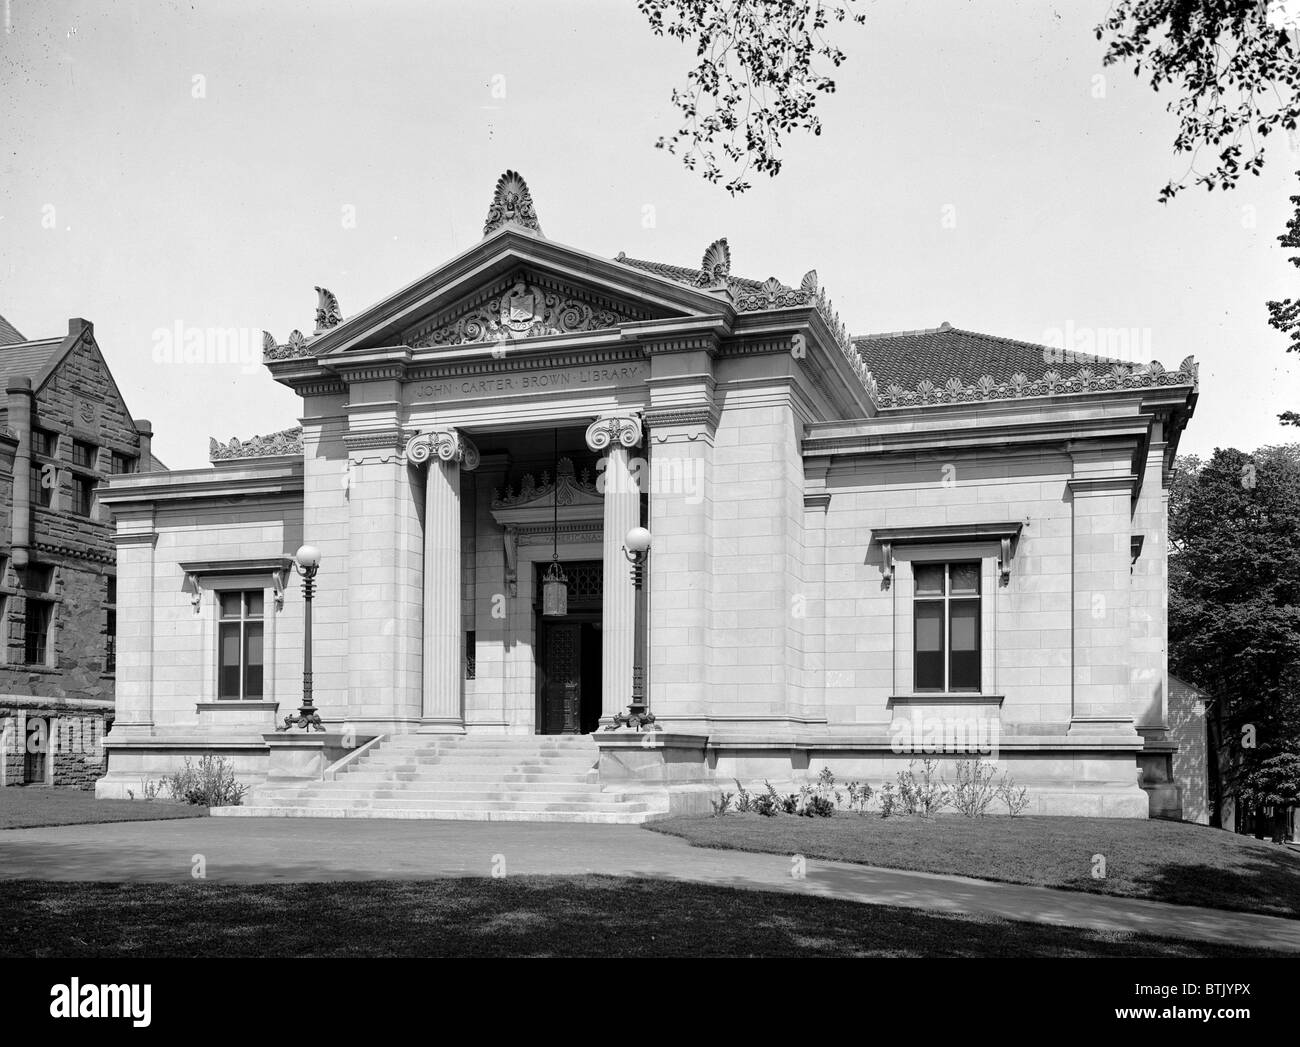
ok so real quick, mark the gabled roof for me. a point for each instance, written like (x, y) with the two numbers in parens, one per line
(9, 333)
(27, 359)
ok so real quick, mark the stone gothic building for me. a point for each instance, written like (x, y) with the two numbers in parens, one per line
(863, 552)
(64, 430)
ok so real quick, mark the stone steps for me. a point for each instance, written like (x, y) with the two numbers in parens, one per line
(515, 778)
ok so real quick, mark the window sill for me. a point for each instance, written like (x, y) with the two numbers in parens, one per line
(945, 697)
(236, 704)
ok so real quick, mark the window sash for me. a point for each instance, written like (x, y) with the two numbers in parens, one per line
(947, 645)
(36, 632)
(240, 645)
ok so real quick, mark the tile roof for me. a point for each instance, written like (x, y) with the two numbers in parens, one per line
(683, 274)
(906, 358)
(948, 365)
(19, 359)
(9, 333)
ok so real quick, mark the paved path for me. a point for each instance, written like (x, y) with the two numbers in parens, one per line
(259, 850)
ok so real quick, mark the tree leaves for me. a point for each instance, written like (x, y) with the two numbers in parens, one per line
(1234, 63)
(757, 78)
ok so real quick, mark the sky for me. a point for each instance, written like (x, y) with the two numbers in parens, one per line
(168, 167)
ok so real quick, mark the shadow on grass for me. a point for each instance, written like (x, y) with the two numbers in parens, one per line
(1157, 861)
(517, 916)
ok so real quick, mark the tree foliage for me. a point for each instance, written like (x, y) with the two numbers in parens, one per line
(1285, 315)
(760, 70)
(1233, 65)
(1234, 606)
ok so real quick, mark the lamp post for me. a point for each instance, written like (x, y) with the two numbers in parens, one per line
(636, 547)
(306, 561)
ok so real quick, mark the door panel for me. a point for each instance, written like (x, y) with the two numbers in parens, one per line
(562, 685)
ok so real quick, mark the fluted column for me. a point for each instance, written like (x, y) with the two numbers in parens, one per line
(616, 436)
(446, 451)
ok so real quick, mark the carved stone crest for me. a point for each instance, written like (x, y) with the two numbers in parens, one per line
(521, 307)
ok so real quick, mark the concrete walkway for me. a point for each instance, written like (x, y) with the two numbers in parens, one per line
(257, 850)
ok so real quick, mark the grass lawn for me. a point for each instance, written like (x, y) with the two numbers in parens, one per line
(519, 916)
(1161, 861)
(29, 806)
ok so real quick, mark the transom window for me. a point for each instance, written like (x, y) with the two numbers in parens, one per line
(947, 630)
(121, 463)
(84, 454)
(44, 442)
(239, 645)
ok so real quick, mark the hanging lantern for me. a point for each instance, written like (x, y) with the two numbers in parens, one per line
(555, 586)
(555, 591)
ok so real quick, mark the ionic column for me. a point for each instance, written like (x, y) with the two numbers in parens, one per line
(447, 451)
(615, 436)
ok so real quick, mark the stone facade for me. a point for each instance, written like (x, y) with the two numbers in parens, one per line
(802, 489)
(68, 430)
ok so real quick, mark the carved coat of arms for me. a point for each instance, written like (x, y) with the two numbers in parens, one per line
(521, 307)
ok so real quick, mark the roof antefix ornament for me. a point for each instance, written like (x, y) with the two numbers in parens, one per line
(512, 204)
(716, 267)
(327, 310)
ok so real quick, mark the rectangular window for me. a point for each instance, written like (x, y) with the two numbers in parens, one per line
(83, 495)
(110, 641)
(947, 626)
(36, 634)
(470, 666)
(44, 442)
(121, 463)
(44, 480)
(239, 645)
(110, 624)
(84, 454)
(38, 578)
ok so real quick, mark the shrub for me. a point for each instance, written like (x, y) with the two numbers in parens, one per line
(211, 784)
(790, 803)
(722, 804)
(975, 788)
(818, 807)
(768, 803)
(860, 794)
(888, 800)
(744, 801)
(1015, 799)
(925, 796)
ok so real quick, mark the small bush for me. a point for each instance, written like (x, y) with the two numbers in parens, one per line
(888, 800)
(818, 807)
(722, 804)
(790, 803)
(860, 794)
(924, 796)
(768, 803)
(1016, 799)
(975, 788)
(211, 784)
(744, 801)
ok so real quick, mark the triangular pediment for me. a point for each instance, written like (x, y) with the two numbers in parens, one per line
(513, 286)
(526, 303)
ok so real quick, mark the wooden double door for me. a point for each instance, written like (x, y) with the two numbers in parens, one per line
(568, 674)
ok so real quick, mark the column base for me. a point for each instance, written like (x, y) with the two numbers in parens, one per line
(433, 726)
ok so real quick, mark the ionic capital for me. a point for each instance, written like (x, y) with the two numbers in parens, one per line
(621, 429)
(448, 444)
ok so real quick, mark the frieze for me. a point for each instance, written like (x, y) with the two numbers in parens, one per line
(538, 380)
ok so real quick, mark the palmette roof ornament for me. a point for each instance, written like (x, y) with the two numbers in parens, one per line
(327, 310)
(285, 442)
(1087, 379)
(512, 204)
(715, 269)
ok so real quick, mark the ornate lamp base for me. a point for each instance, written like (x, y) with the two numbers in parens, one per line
(637, 717)
(307, 718)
